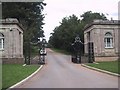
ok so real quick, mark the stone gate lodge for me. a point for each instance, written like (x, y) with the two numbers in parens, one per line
(11, 41)
(104, 35)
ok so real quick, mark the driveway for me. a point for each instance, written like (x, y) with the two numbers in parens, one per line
(60, 72)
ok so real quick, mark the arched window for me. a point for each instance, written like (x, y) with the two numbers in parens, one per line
(108, 40)
(1, 41)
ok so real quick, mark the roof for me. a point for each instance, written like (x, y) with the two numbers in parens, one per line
(102, 22)
(11, 21)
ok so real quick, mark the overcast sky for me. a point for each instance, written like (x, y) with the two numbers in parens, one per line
(56, 10)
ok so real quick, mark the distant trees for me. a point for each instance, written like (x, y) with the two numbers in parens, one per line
(64, 34)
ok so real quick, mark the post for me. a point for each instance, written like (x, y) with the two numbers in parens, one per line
(39, 41)
(42, 51)
(29, 52)
(77, 47)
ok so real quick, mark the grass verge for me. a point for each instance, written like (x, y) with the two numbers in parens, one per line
(111, 66)
(15, 73)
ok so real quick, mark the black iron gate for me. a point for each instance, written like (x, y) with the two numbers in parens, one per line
(77, 57)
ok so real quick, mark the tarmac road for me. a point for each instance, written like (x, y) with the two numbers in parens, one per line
(60, 72)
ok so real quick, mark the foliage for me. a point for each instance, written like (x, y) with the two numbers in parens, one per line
(14, 73)
(64, 34)
(88, 17)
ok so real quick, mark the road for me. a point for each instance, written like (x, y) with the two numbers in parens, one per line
(60, 72)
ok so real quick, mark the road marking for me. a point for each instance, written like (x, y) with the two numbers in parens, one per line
(25, 78)
(95, 63)
(24, 65)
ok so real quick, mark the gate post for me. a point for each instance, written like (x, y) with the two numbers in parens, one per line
(76, 58)
(42, 52)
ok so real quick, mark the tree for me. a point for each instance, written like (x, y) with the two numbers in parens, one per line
(63, 35)
(88, 17)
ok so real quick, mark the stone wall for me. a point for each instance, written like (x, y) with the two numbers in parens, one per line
(97, 32)
(13, 41)
(12, 60)
(106, 58)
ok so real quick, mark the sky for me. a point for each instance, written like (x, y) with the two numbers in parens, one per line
(56, 10)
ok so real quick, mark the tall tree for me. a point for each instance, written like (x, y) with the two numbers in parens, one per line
(63, 35)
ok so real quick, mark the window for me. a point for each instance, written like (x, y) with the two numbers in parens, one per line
(108, 40)
(1, 41)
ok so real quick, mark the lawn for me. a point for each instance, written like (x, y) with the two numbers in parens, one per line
(111, 66)
(11, 74)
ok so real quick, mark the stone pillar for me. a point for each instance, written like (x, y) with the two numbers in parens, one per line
(85, 45)
(22, 45)
(119, 30)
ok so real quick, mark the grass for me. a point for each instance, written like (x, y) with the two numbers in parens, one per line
(61, 51)
(15, 73)
(111, 66)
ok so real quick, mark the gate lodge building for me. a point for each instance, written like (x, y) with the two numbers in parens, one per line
(11, 41)
(104, 35)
